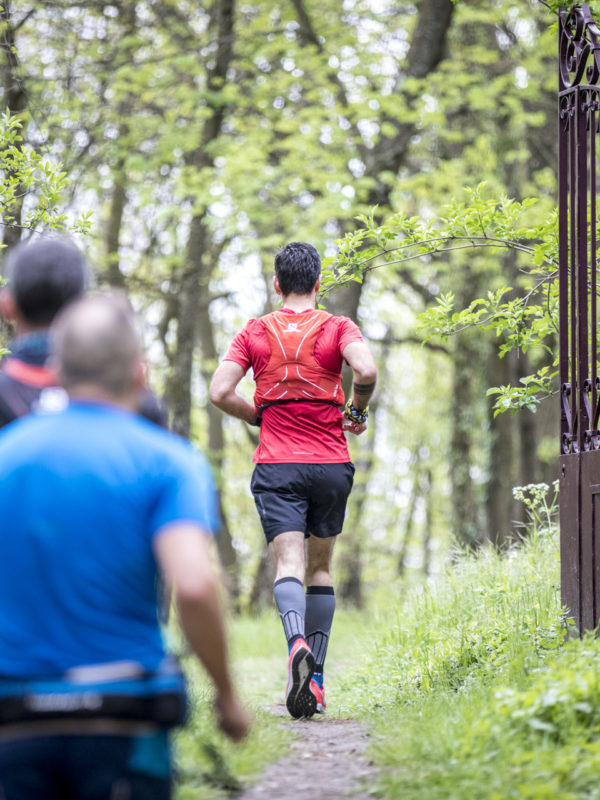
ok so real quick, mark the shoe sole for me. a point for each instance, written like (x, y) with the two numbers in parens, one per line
(300, 701)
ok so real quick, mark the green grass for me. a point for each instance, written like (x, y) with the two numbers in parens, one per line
(210, 766)
(540, 741)
(479, 696)
(467, 684)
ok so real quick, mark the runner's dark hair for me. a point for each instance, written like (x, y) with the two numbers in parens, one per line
(297, 267)
(44, 275)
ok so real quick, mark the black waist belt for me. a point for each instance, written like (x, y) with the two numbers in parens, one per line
(270, 403)
(158, 697)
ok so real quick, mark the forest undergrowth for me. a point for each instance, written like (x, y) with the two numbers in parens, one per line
(469, 685)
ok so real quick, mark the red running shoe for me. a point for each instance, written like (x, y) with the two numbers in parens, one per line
(319, 693)
(299, 699)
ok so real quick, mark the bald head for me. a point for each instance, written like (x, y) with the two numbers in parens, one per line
(97, 348)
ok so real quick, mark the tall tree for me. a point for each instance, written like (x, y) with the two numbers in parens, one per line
(205, 137)
(15, 100)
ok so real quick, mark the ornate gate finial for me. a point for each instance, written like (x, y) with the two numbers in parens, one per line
(579, 48)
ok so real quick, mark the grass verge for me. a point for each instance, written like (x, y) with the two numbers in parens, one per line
(479, 696)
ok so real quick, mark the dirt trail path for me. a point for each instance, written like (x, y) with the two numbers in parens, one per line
(328, 757)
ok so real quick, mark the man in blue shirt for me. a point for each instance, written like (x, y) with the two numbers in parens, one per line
(94, 501)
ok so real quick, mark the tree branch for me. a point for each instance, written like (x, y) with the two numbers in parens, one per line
(388, 339)
(425, 53)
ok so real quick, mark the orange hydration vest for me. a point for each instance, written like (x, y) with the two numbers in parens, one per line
(292, 372)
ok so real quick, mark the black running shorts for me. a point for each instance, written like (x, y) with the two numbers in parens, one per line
(302, 497)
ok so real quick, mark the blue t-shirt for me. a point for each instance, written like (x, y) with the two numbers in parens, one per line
(82, 495)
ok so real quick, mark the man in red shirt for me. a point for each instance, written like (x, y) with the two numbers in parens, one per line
(303, 473)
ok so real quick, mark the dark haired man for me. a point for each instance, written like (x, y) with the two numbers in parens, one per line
(303, 473)
(43, 276)
(94, 501)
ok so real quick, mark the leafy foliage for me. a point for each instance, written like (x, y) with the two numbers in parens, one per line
(31, 181)
(27, 175)
(203, 150)
(494, 617)
(522, 318)
(562, 701)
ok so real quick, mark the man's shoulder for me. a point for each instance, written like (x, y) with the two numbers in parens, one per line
(166, 444)
(254, 328)
(340, 319)
(254, 325)
(143, 431)
(248, 344)
(343, 327)
(7, 381)
(7, 389)
(20, 433)
(95, 419)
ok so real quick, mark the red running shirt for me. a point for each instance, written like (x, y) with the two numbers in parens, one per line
(299, 432)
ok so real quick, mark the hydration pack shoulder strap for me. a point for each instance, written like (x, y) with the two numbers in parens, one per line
(38, 377)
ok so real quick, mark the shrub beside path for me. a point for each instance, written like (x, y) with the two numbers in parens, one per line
(328, 755)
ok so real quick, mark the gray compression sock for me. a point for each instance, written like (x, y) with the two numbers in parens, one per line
(320, 608)
(291, 602)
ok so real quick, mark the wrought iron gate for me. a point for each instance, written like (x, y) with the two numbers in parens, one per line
(579, 175)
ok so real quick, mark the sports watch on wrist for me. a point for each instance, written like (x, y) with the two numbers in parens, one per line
(357, 415)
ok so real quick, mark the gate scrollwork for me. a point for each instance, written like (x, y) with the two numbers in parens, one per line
(579, 48)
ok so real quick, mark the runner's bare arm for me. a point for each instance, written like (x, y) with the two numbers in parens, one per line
(359, 358)
(223, 395)
(183, 553)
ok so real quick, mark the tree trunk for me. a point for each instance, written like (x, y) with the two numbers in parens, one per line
(216, 440)
(528, 464)
(118, 200)
(194, 289)
(351, 560)
(261, 594)
(15, 101)
(193, 321)
(410, 514)
(502, 430)
(114, 276)
(428, 534)
(466, 523)
(389, 153)
(427, 47)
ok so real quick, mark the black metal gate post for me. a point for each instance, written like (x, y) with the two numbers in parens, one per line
(579, 139)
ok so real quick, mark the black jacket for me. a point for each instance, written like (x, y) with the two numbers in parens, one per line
(19, 392)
